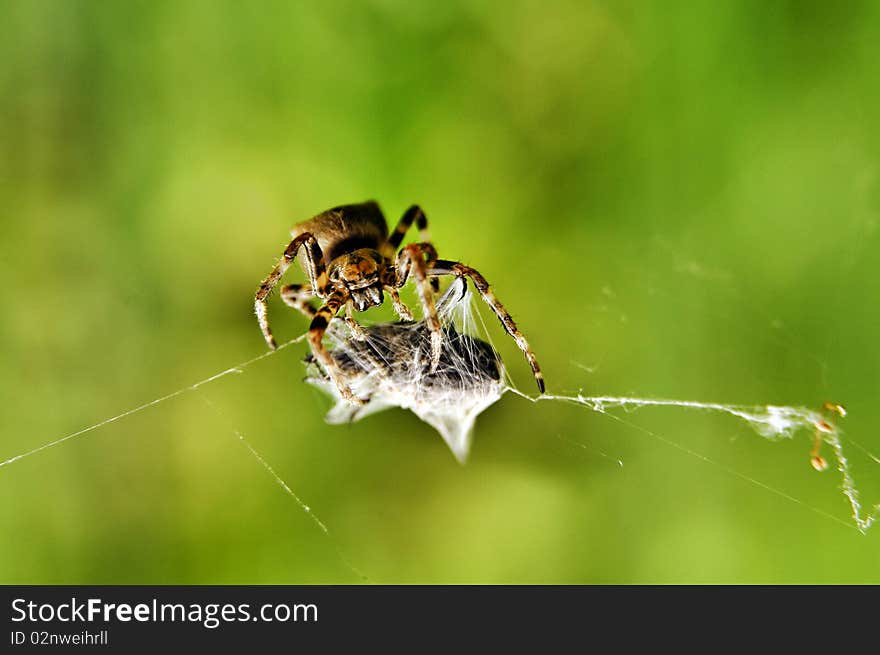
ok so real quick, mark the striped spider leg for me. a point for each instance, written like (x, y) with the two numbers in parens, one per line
(446, 267)
(411, 261)
(298, 296)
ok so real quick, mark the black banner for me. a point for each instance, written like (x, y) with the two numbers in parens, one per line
(134, 618)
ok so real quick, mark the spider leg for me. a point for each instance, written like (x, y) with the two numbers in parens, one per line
(357, 330)
(316, 340)
(399, 306)
(412, 260)
(445, 267)
(413, 214)
(316, 272)
(298, 296)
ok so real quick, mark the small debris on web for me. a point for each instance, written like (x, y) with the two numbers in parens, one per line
(389, 365)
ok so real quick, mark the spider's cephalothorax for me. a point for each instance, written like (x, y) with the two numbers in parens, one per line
(358, 273)
(351, 261)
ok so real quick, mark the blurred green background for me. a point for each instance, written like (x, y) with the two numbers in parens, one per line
(675, 200)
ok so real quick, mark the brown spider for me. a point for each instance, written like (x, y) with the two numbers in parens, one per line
(350, 261)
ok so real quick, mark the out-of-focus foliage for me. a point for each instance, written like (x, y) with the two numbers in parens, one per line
(673, 199)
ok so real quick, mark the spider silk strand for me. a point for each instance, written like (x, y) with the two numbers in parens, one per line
(234, 369)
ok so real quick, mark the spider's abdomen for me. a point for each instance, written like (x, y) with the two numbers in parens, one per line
(345, 229)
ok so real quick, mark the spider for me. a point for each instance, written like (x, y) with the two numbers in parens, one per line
(350, 262)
